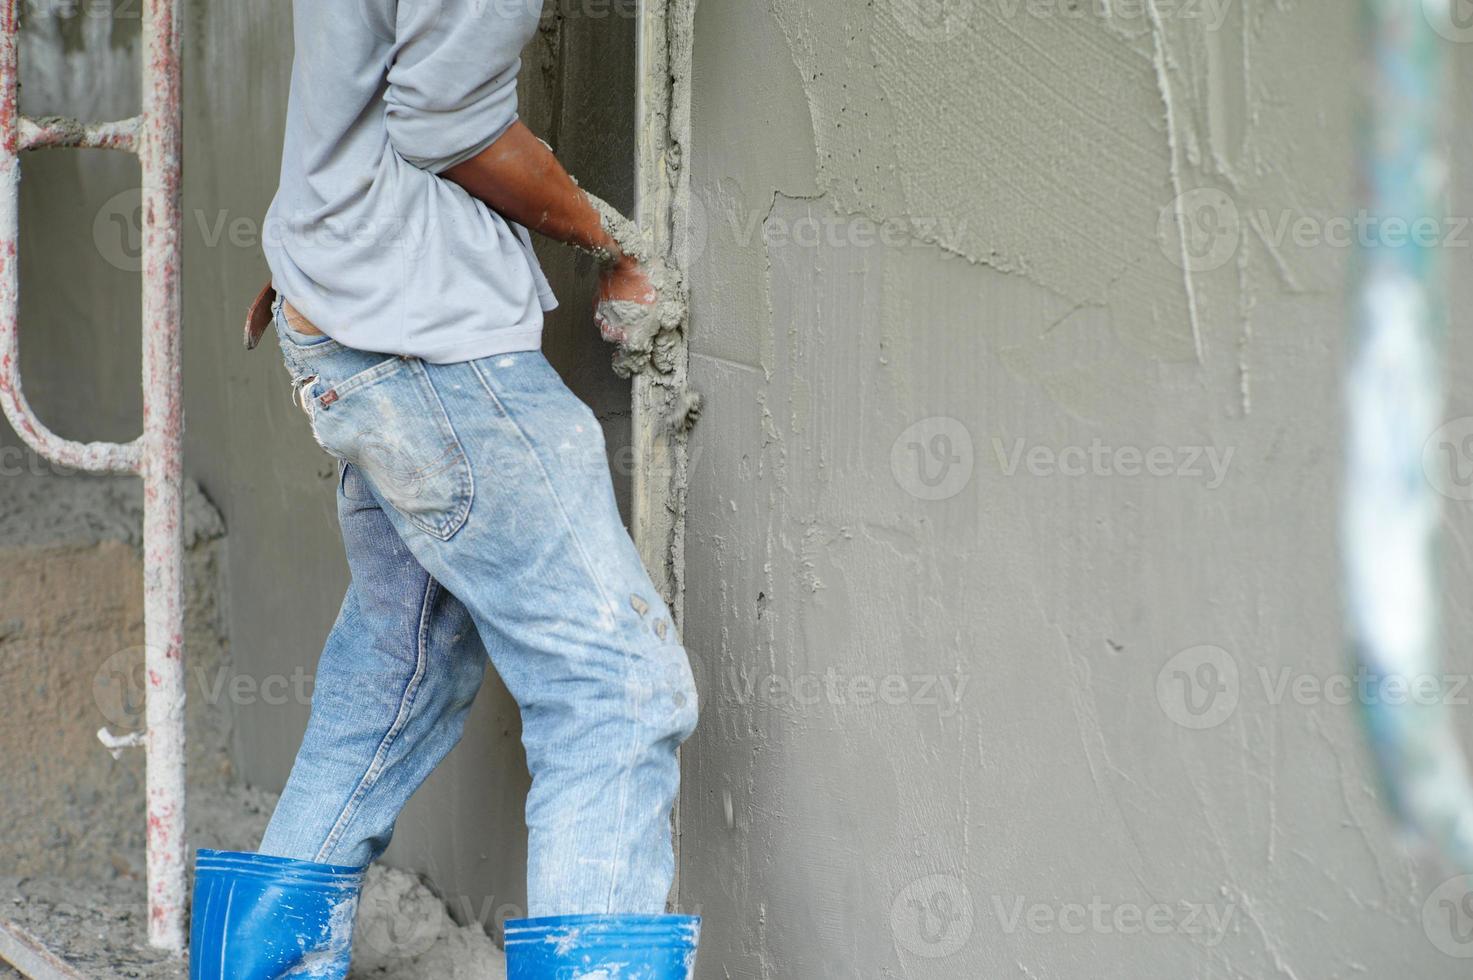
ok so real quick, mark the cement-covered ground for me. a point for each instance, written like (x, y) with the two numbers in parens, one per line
(71, 650)
(98, 922)
(72, 857)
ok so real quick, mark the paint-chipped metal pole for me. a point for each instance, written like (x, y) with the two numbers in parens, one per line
(156, 456)
(161, 154)
(1391, 511)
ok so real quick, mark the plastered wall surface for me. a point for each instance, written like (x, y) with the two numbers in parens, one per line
(246, 444)
(1011, 562)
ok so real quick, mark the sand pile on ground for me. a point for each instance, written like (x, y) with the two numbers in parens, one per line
(98, 924)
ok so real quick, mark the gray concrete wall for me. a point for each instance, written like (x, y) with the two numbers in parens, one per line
(951, 704)
(246, 445)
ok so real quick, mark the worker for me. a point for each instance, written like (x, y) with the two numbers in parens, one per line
(475, 503)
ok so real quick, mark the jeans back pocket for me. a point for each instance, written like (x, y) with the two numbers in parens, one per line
(388, 421)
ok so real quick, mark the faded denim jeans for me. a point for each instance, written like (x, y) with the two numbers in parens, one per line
(479, 519)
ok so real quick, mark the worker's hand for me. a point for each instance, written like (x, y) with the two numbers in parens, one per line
(625, 305)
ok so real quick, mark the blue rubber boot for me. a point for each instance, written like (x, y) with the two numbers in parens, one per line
(602, 947)
(258, 917)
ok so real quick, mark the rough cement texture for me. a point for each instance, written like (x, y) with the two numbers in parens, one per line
(95, 918)
(97, 923)
(71, 658)
(405, 932)
(72, 860)
(941, 718)
(645, 332)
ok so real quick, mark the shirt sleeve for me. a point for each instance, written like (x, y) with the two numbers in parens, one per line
(452, 79)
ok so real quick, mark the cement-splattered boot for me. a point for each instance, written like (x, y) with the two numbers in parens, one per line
(258, 917)
(602, 947)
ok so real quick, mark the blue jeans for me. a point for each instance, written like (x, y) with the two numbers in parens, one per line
(479, 518)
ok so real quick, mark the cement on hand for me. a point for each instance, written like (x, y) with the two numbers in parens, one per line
(648, 330)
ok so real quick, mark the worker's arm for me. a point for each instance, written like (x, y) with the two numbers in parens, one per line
(452, 110)
(518, 176)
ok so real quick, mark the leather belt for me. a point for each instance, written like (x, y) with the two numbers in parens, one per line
(258, 317)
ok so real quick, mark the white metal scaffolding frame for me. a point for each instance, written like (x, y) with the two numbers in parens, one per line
(156, 455)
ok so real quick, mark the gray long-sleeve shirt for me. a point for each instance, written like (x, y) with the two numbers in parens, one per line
(363, 238)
